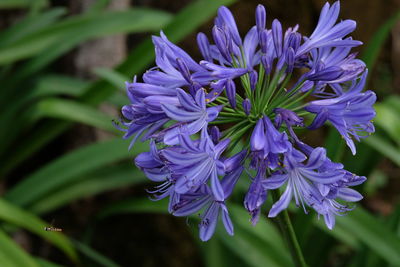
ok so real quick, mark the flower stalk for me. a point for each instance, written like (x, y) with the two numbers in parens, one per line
(287, 230)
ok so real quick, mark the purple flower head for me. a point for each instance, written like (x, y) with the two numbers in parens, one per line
(245, 100)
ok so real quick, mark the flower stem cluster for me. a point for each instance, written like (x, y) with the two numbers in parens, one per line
(239, 109)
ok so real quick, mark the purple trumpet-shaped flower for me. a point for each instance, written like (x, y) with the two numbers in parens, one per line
(157, 171)
(197, 163)
(300, 179)
(192, 203)
(174, 66)
(193, 112)
(268, 139)
(350, 113)
(256, 195)
(327, 34)
(246, 106)
(333, 66)
(144, 114)
(287, 116)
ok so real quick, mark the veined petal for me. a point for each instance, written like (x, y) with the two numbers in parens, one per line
(258, 138)
(282, 203)
(317, 158)
(324, 177)
(275, 181)
(193, 207)
(349, 194)
(187, 101)
(216, 187)
(179, 114)
(226, 220)
(183, 159)
(209, 222)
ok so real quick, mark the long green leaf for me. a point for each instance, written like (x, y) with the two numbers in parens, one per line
(11, 255)
(273, 246)
(373, 233)
(83, 27)
(114, 78)
(185, 22)
(102, 180)
(45, 263)
(378, 39)
(18, 116)
(73, 111)
(260, 246)
(388, 119)
(29, 25)
(134, 206)
(249, 248)
(53, 84)
(384, 147)
(14, 215)
(101, 260)
(101, 91)
(68, 168)
(14, 3)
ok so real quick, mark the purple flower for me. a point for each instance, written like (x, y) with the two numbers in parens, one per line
(193, 112)
(197, 163)
(191, 204)
(300, 179)
(327, 34)
(256, 195)
(268, 139)
(350, 113)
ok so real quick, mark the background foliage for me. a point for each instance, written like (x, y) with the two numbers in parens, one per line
(87, 187)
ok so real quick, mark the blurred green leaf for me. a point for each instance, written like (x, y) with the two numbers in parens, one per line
(388, 119)
(375, 44)
(373, 233)
(68, 168)
(136, 205)
(29, 25)
(73, 111)
(53, 84)
(80, 28)
(11, 255)
(14, 3)
(273, 244)
(104, 179)
(14, 215)
(248, 247)
(383, 146)
(45, 263)
(114, 78)
(101, 90)
(185, 22)
(92, 254)
(19, 115)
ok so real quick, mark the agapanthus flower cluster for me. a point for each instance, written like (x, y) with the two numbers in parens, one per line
(235, 113)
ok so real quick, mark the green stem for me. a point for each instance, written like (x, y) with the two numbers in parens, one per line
(288, 232)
